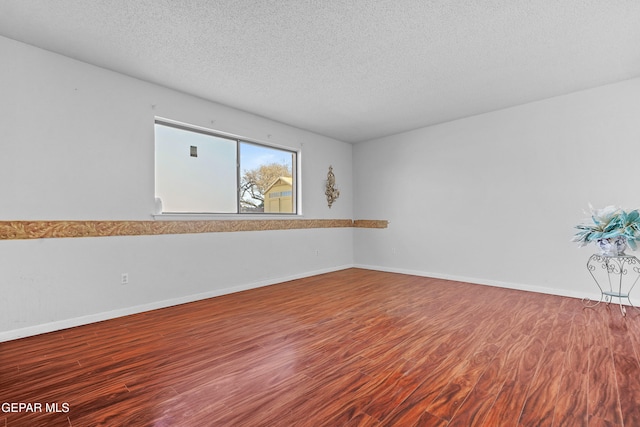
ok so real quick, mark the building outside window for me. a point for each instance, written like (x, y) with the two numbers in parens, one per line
(278, 196)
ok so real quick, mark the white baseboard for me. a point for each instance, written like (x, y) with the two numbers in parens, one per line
(98, 317)
(517, 286)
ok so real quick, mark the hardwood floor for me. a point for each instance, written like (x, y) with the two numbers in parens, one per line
(350, 348)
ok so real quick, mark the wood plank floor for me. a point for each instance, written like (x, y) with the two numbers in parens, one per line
(350, 348)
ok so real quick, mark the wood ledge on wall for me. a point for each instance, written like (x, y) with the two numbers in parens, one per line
(19, 230)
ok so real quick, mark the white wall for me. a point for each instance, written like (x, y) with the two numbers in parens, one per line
(77, 144)
(494, 198)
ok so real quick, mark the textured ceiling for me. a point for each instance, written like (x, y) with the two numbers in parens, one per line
(349, 69)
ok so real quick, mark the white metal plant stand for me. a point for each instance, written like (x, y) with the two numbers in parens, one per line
(615, 276)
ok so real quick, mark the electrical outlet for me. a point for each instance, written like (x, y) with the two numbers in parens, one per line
(124, 280)
(317, 252)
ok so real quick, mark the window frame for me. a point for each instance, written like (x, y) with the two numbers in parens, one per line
(238, 140)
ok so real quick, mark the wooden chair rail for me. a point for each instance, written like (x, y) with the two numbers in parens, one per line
(17, 230)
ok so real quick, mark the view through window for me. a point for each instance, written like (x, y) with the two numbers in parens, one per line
(200, 172)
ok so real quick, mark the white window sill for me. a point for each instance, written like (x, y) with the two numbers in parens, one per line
(222, 217)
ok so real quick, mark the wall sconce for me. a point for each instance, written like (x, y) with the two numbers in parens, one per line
(331, 192)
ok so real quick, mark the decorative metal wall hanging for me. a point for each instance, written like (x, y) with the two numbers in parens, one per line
(331, 192)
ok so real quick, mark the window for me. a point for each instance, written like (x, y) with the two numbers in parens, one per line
(198, 171)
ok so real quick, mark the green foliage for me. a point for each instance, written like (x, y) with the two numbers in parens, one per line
(610, 223)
